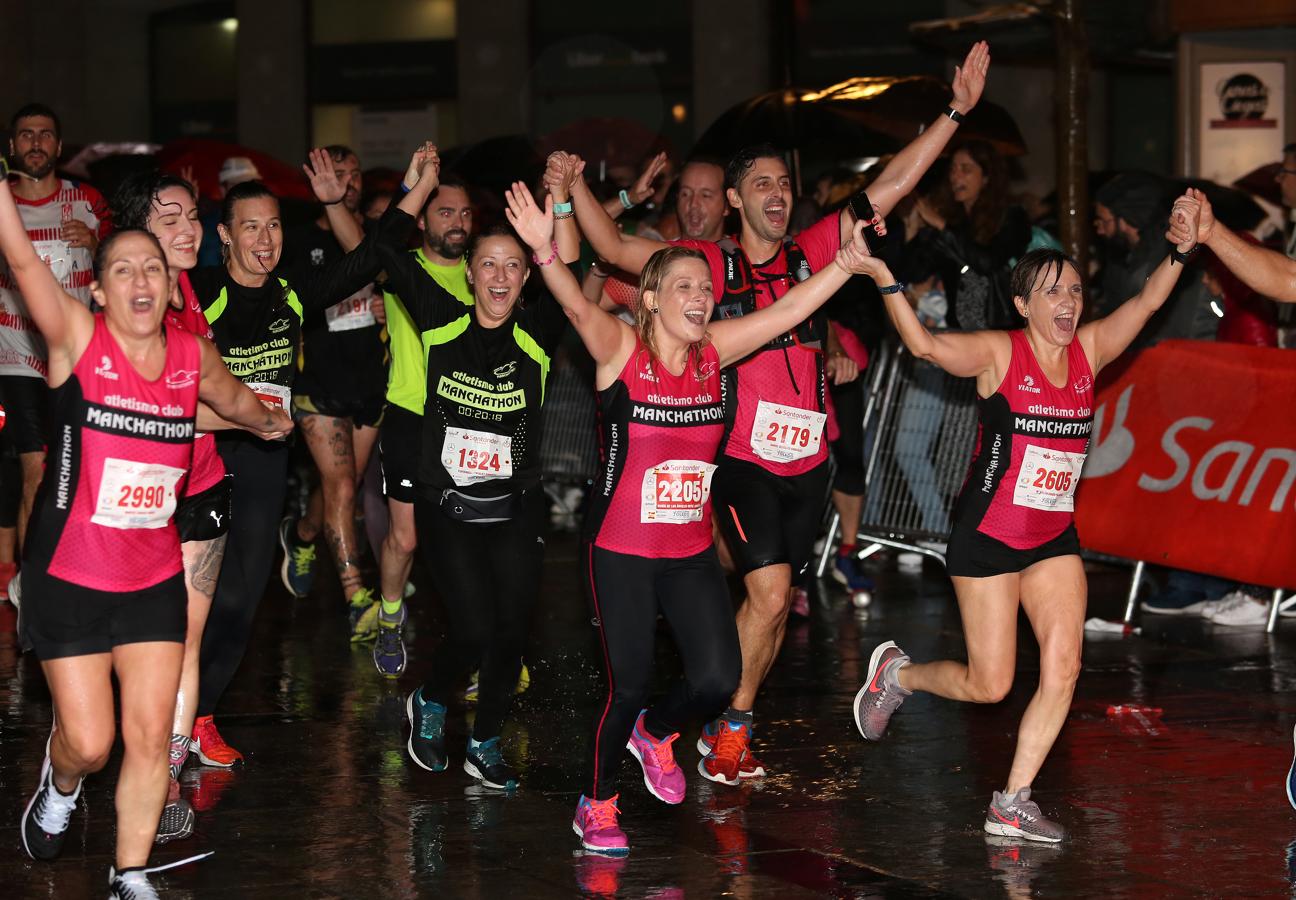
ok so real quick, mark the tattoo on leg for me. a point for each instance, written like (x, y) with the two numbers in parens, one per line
(344, 558)
(202, 572)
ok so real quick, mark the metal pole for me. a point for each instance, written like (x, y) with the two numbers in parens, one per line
(1072, 102)
(1135, 580)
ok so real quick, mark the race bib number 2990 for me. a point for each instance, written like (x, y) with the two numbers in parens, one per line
(136, 495)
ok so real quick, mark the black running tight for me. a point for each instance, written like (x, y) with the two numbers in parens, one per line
(488, 577)
(260, 470)
(628, 592)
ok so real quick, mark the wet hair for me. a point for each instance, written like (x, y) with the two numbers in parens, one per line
(650, 279)
(36, 109)
(1026, 274)
(494, 231)
(745, 158)
(987, 213)
(101, 252)
(339, 152)
(453, 181)
(132, 202)
(247, 190)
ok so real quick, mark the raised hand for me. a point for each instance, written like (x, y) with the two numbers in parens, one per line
(855, 258)
(533, 224)
(970, 78)
(424, 163)
(642, 189)
(1192, 220)
(187, 173)
(323, 180)
(561, 172)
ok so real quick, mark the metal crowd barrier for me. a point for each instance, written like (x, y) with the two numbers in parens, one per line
(569, 444)
(920, 427)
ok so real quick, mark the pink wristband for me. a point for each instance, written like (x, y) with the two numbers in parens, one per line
(536, 259)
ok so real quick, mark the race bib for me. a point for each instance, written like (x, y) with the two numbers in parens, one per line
(785, 433)
(272, 394)
(136, 495)
(1048, 479)
(675, 491)
(354, 312)
(55, 255)
(472, 456)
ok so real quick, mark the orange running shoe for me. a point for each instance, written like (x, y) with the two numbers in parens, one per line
(725, 759)
(749, 767)
(210, 747)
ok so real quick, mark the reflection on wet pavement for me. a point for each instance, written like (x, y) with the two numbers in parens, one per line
(1169, 772)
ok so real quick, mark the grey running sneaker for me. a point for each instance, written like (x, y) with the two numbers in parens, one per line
(881, 694)
(389, 650)
(1016, 815)
(177, 820)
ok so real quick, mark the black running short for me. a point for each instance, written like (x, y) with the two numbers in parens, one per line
(400, 440)
(768, 519)
(59, 619)
(366, 413)
(205, 516)
(26, 405)
(976, 555)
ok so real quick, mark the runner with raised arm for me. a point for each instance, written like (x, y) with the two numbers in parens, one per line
(648, 531)
(480, 508)
(772, 476)
(1013, 544)
(125, 389)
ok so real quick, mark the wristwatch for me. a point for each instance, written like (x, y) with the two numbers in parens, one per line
(954, 115)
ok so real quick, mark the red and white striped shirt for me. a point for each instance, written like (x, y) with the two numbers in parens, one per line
(22, 350)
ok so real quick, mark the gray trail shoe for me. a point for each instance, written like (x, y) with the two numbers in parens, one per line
(1016, 815)
(881, 694)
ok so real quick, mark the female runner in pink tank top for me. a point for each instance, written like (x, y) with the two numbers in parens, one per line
(103, 585)
(1013, 544)
(650, 548)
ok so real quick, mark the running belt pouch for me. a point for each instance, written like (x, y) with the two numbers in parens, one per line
(480, 510)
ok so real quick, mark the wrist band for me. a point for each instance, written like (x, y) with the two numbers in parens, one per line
(954, 115)
(892, 288)
(560, 208)
(625, 199)
(1183, 257)
(536, 259)
(331, 202)
(566, 215)
(405, 189)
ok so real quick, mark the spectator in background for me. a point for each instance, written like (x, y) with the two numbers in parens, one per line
(980, 235)
(235, 170)
(65, 220)
(1129, 217)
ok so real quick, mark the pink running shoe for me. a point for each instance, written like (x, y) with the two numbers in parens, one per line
(596, 825)
(662, 777)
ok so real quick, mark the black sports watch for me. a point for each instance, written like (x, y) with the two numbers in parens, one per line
(954, 115)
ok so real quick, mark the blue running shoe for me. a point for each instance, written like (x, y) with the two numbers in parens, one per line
(389, 650)
(486, 763)
(298, 567)
(848, 573)
(1291, 776)
(427, 732)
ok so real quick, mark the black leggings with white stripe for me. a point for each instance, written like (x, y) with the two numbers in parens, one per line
(628, 593)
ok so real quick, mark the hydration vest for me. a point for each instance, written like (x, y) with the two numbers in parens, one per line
(738, 297)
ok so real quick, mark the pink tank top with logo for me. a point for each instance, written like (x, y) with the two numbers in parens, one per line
(660, 436)
(120, 453)
(1031, 444)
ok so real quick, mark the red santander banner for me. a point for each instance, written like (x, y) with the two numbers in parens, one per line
(1192, 463)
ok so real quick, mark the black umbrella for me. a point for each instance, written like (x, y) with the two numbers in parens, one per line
(857, 117)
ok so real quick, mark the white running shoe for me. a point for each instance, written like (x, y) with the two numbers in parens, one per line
(1239, 609)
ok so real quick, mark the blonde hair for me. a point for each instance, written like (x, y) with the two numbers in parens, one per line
(650, 279)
